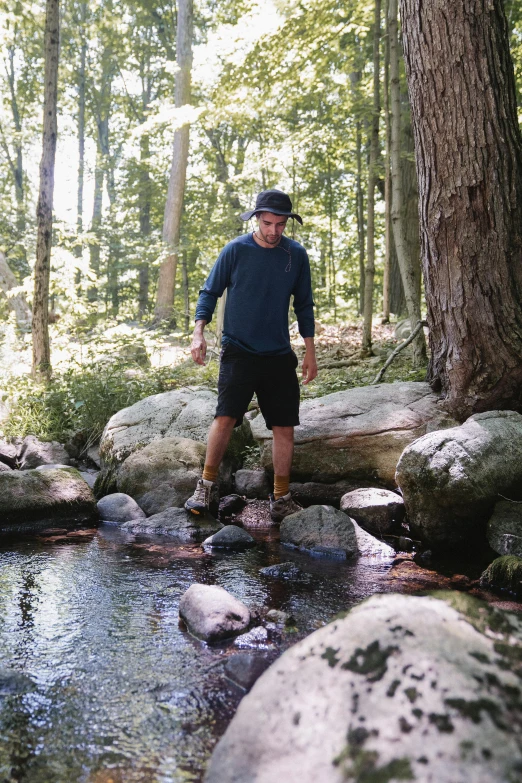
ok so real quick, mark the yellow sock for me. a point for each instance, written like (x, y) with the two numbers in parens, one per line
(210, 473)
(281, 486)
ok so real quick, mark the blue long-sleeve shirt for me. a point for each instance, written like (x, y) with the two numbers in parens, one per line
(260, 282)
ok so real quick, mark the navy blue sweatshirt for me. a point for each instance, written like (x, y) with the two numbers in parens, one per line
(260, 282)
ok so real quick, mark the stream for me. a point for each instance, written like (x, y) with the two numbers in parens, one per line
(110, 688)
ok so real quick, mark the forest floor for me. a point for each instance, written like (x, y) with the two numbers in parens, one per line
(100, 370)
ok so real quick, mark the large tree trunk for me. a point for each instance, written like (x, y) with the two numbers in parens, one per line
(407, 264)
(17, 303)
(469, 162)
(178, 172)
(388, 241)
(372, 181)
(44, 212)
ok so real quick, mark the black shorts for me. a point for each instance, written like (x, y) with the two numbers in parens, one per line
(272, 378)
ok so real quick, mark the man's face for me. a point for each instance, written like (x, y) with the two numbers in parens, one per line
(271, 227)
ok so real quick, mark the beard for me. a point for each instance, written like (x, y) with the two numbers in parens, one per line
(270, 239)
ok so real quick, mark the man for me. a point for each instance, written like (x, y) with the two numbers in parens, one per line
(261, 271)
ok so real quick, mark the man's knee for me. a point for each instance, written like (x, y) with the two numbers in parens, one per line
(283, 433)
(224, 422)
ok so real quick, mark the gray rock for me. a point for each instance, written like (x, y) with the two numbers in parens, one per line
(377, 510)
(504, 529)
(31, 499)
(119, 508)
(279, 618)
(94, 455)
(213, 614)
(450, 480)
(359, 433)
(244, 669)
(90, 477)
(313, 493)
(252, 483)
(371, 547)
(35, 452)
(4, 467)
(283, 571)
(320, 526)
(231, 504)
(9, 452)
(176, 523)
(230, 537)
(504, 573)
(256, 636)
(402, 688)
(403, 329)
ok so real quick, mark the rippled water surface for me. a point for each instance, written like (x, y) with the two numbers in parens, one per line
(115, 689)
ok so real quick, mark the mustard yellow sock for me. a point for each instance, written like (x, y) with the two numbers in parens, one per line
(281, 486)
(210, 473)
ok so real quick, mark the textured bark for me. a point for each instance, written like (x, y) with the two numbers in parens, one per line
(18, 302)
(469, 163)
(178, 173)
(44, 211)
(407, 264)
(372, 181)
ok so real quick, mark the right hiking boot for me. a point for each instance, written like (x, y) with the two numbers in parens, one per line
(204, 500)
(283, 507)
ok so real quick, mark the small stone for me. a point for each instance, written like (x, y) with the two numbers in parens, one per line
(405, 544)
(213, 614)
(230, 537)
(280, 618)
(119, 508)
(282, 571)
(424, 558)
(257, 635)
(231, 504)
(245, 668)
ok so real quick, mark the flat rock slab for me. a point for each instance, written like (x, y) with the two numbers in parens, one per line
(320, 526)
(450, 480)
(358, 433)
(213, 614)
(402, 688)
(378, 511)
(119, 508)
(32, 499)
(176, 523)
(230, 537)
(505, 528)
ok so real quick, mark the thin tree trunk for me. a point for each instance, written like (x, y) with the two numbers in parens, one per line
(332, 292)
(81, 129)
(18, 302)
(178, 172)
(355, 78)
(44, 212)
(186, 299)
(469, 163)
(407, 264)
(372, 180)
(17, 165)
(387, 178)
(97, 205)
(145, 226)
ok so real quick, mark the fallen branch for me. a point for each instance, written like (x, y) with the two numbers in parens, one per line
(342, 363)
(401, 347)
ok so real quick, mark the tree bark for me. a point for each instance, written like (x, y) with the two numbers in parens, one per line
(372, 181)
(81, 128)
(178, 173)
(355, 78)
(44, 212)
(407, 264)
(388, 241)
(469, 163)
(17, 303)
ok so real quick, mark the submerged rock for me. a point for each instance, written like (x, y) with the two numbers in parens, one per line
(119, 508)
(504, 573)
(13, 682)
(245, 668)
(377, 510)
(213, 614)
(320, 526)
(230, 537)
(505, 528)
(176, 523)
(283, 571)
(450, 480)
(402, 688)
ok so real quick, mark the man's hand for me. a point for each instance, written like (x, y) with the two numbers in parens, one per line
(309, 361)
(198, 347)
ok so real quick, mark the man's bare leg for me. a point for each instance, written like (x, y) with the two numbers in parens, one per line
(206, 496)
(282, 455)
(218, 439)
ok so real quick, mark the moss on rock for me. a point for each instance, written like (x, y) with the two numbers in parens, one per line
(505, 573)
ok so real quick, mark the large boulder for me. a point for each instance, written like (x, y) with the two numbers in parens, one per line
(320, 526)
(358, 433)
(450, 480)
(504, 529)
(213, 614)
(35, 452)
(175, 523)
(162, 474)
(402, 688)
(378, 510)
(31, 499)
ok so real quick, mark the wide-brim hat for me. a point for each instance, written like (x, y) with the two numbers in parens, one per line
(274, 201)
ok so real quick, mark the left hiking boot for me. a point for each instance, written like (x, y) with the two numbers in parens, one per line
(282, 507)
(204, 499)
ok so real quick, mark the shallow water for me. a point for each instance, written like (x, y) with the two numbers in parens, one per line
(117, 691)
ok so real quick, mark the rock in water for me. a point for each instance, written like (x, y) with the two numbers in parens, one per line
(505, 528)
(402, 688)
(213, 614)
(119, 508)
(176, 523)
(245, 668)
(378, 511)
(358, 433)
(35, 452)
(230, 537)
(450, 480)
(320, 526)
(31, 499)
(287, 570)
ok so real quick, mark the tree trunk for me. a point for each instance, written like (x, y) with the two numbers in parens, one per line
(407, 264)
(186, 299)
(388, 242)
(144, 198)
(81, 129)
(44, 212)
(372, 181)
(355, 78)
(97, 205)
(469, 163)
(17, 303)
(178, 172)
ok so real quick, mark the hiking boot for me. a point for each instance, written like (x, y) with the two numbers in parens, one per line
(281, 508)
(205, 498)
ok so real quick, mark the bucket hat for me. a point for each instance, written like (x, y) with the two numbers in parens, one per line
(274, 201)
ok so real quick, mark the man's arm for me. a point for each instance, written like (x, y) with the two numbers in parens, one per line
(309, 361)
(198, 347)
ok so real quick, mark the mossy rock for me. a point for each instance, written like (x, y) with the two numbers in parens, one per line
(504, 573)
